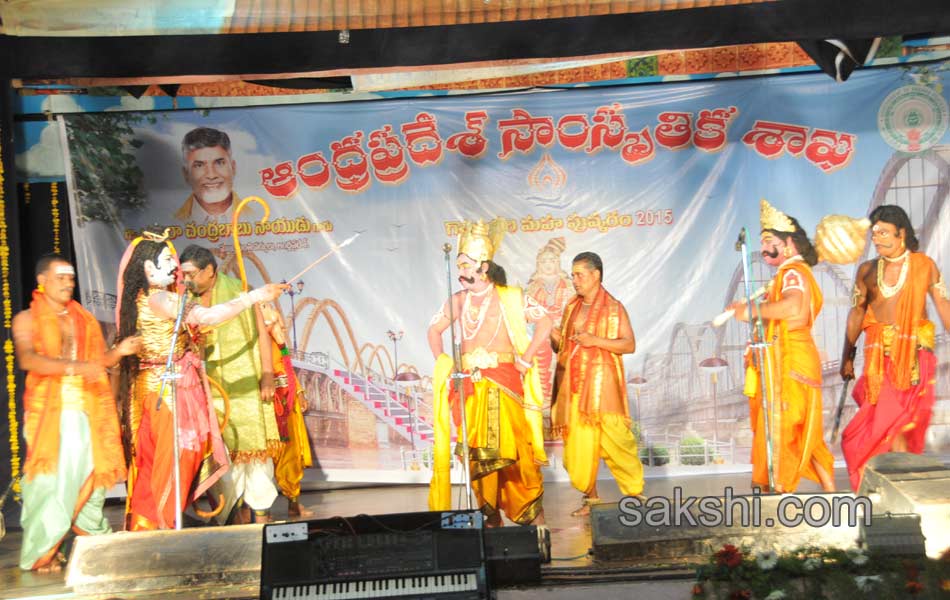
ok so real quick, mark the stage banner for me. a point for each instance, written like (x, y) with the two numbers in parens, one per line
(658, 180)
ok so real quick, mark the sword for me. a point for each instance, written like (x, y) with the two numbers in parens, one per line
(839, 410)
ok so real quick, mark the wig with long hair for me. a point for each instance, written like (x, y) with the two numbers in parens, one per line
(496, 273)
(896, 216)
(133, 282)
(804, 246)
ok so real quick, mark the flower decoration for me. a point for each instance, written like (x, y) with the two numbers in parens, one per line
(767, 560)
(857, 557)
(812, 573)
(867, 582)
(729, 556)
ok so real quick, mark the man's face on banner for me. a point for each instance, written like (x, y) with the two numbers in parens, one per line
(210, 173)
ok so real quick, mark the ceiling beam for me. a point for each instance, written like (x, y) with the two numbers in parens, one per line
(416, 47)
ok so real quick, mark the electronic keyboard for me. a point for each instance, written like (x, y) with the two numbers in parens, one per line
(408, 555)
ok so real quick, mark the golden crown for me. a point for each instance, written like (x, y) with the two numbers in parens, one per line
(480, 241)
(151, 236)
(774, 219)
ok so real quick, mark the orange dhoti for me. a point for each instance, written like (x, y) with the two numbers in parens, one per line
(792, 376)
(795, 416)
(504, 461)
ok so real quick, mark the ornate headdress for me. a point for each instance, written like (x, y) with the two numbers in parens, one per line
(147, 236)
(481, 241)
(774, 219)
(555, 245)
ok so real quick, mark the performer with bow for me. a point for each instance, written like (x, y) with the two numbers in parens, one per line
(148, 304)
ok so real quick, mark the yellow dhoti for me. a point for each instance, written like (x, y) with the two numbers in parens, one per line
(504, 474)
(612, 440)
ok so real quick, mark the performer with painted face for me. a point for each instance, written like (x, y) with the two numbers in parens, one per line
(503, 400)
(895, 394)
(73, 444)
(148, 305)
(793, 369)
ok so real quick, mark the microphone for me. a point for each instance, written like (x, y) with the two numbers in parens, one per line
(446, 247)
(190, 286)
(741, 241)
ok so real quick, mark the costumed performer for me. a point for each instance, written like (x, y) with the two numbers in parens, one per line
(148, 305)
(792, 371)
(503, 398)
(591, 412)
(895, 394)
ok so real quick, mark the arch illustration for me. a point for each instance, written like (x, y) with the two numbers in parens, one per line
(925, 223)
(322, 308)
(378, 351)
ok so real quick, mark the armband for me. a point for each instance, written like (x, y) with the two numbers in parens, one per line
(533, 309)
(438, 316)
(941, 288)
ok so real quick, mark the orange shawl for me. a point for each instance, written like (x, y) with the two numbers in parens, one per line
(42, 400)
(903, 351)
(580, 370)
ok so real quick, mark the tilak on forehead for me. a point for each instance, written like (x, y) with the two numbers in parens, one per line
(61, 269)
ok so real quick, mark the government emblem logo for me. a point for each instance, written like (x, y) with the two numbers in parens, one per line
(913, 118)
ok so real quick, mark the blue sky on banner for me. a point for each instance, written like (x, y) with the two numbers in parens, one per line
(669, 257)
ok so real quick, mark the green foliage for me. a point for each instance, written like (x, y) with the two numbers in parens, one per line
(693, 451)
(661, 456)
(107, 177)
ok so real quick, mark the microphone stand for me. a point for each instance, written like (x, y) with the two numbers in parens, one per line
(457, 377)
(169, 377)
(760, 350)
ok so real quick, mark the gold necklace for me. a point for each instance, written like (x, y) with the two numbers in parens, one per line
(896, 258)
(472, 316)
(890, 290)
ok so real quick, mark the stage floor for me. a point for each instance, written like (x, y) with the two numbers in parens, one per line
(570, 540)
